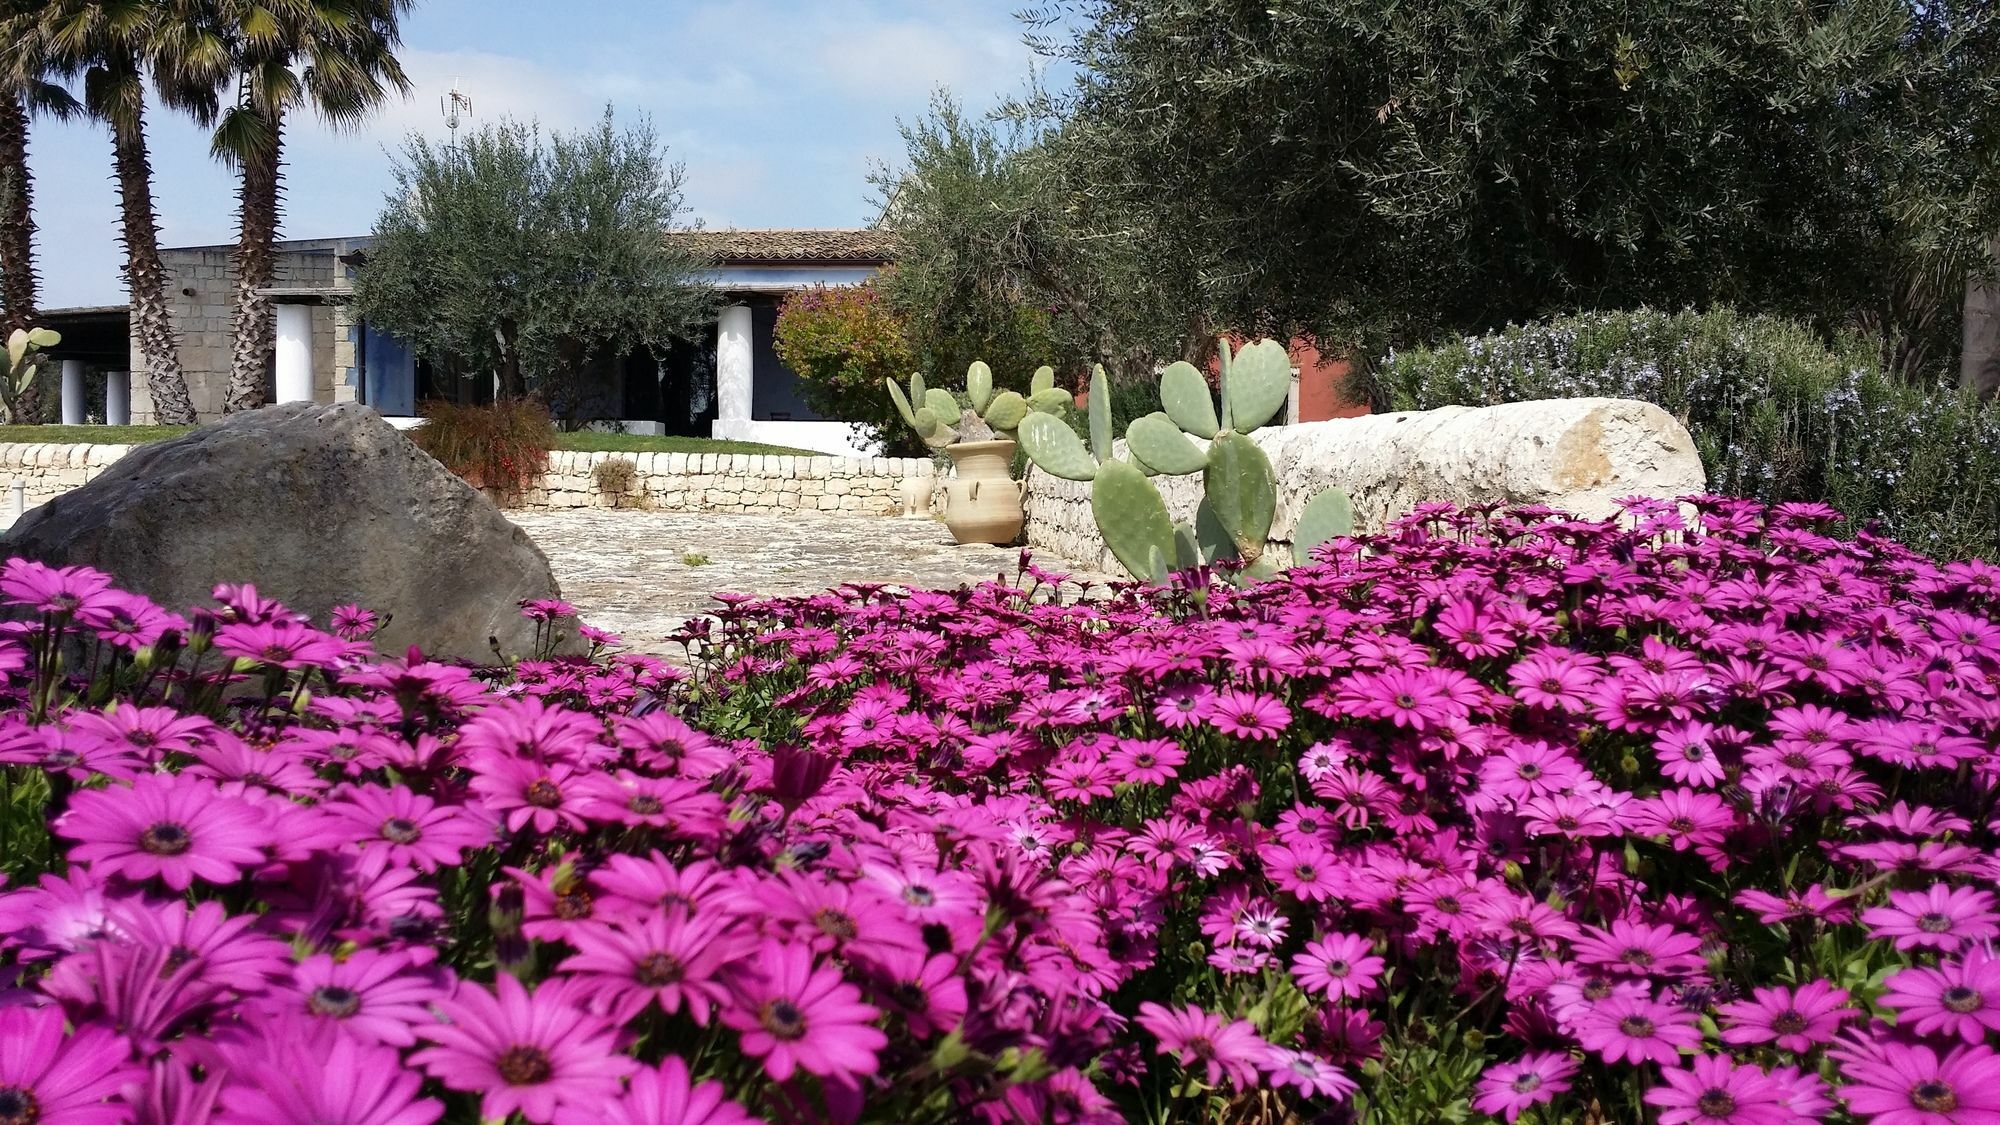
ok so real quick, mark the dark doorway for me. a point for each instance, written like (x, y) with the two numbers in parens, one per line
(682, 393)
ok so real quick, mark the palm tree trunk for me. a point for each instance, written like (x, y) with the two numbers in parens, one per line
(17, 239)
(17, 217)
(254, 324)
(145, 276)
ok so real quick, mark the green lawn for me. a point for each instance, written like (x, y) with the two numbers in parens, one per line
(591, 441)
(89, 435)
(588, 441)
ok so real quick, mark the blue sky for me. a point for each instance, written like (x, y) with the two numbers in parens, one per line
(778, 108)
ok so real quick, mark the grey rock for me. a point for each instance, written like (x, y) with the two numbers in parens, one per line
(316, 506)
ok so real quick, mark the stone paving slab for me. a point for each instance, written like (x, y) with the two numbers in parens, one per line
(630, 571)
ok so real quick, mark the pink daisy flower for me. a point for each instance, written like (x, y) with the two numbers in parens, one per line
(1794, 1019)
(1638, 949)
(1943, 917)
(412, 829)
(1716, 1091)
(1959, 997)
(660, 1095)
(531, 1053)
(175, 827)
(1902, 1084)
(666, 957)
(1634, 1029)
(1339, 967)
(47, 1077)
(796, 1014)
(1511, 1088)
(1313, 1076)
(307, 1079)
(1244, 714)
(375, 997)
(1199, 1039)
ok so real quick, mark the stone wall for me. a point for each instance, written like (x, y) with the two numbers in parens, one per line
(1576, 455)
(734, 482)
(686, 482)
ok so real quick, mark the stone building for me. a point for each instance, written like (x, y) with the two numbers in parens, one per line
(727, 383)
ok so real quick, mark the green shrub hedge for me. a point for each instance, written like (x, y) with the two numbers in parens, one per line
(1776, 413)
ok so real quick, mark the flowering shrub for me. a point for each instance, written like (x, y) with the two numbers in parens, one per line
(1775, 413)
(502, 446)
(1501, 816)
(843, 341)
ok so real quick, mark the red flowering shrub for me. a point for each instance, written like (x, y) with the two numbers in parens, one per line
(1499, 816)
(842, 341)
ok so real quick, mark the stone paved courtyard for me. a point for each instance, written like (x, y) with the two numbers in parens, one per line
(629, 571)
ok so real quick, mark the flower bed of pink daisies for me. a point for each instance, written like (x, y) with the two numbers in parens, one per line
(1687, 819)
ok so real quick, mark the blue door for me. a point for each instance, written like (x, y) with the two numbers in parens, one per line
(391, 373)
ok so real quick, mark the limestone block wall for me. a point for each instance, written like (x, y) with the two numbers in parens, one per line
(47, 470)
(682, 482)
(1576, 455)
(736, 482)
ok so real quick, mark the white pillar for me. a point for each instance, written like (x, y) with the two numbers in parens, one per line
(295, 353)
(735, 361)
(118, 398)
(72, 392)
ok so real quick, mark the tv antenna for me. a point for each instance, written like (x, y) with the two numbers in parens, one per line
(455, 105)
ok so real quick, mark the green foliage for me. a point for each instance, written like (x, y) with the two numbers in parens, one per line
(535, 258)
(843, 342)
(1776, 413)
(504, 446)
(1381, 171)
(23, 367)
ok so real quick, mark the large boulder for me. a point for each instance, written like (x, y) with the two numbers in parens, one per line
(317, 506)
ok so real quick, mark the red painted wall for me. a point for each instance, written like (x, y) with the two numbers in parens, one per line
(1323, 391)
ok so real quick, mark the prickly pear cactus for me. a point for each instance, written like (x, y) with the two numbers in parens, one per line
(1239, 490)
(940, 420)
(22, 364)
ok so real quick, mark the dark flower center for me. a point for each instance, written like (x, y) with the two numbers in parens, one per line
(1305, 872)
(1788, 1022)
(276, 654)
(1144, 761)
(1961, 999)
(919, 896)
(1528, 771)
(1551, 686)
(522, 1065)
(333, 1000)
(1633, 955)
(573, 905)
(1934, 923)
(1406, 700)
(836, 924)
(18, 1106)
(1681, 824)
(1716, 1102)
(645, 804)
(1934, 1097)
(166, 838)
(1694, 754)
(1338, 968)
(1638, 1027)
(1527, 1083)
(783, 1019)
(658, 969)
(543, 794)
(397, 830)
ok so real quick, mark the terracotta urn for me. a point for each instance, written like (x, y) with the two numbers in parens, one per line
(983, 500)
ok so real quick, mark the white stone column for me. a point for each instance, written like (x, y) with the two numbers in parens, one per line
(118, 398)
(735, 362)
(295, 354)
(72, 392)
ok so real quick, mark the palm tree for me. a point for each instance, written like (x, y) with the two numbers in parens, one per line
(25, 92)
(338, 58)
(114, 46)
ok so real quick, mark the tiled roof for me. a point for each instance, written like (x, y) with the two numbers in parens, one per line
(825, 244)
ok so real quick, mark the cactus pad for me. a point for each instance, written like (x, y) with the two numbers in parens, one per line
(1050, 443)
(1006, 410)
(943, 404)
(1158, 444)
(1241, 491)
(1044, 379)
(1100, 414)
(902, 404)
(1326, 516)
(1133, 520)
(1184, 393)
(1048, 400)
(1260, 380)
(979, 385)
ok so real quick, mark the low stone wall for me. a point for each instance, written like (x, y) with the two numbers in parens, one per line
(732, 482)
(683, 482)
(47, 471)
(1577, 455)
